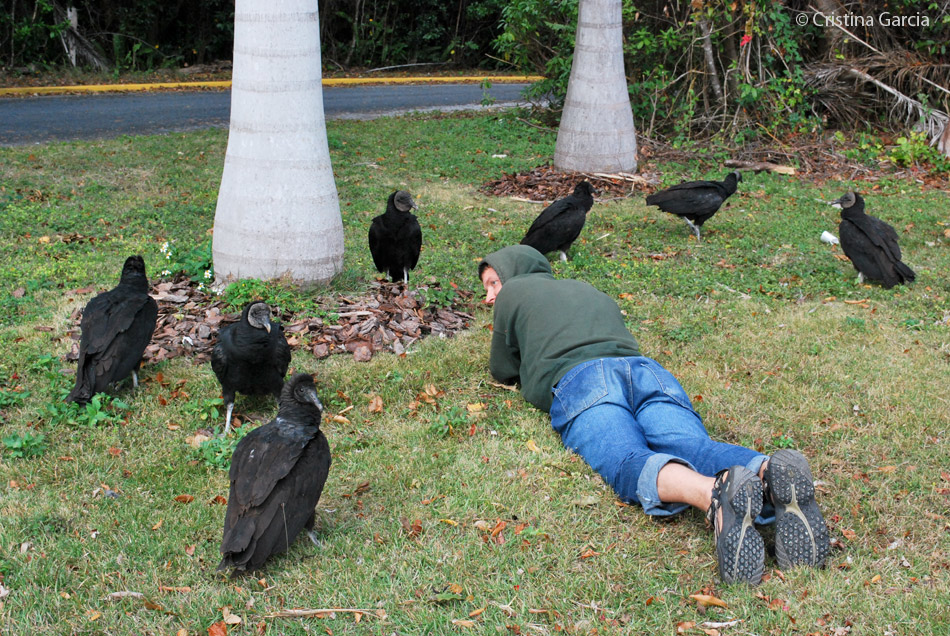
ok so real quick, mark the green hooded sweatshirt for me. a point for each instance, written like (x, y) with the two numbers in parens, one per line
(543, 327)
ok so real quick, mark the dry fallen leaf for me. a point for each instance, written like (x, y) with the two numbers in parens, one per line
(196, 440)
(158, 525)
(478, 612)
(229, 618)
(463, 623)
(706, 600)
(532, 446)
(682, 626)
(185, 499)
(218, 629)
(376, 404)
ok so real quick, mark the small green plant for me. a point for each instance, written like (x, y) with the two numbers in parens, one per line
(241, 292)
(487, 99)
(101, 409)
(25, 445)
(858, 324)
(783, 441)
(438, 296)
(448, 421)
(915, 150)
(207, 410)
(197, 264)
(217, 451)
(12, 397)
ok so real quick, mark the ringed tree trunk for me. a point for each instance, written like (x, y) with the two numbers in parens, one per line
(596, 133)
(278, 215)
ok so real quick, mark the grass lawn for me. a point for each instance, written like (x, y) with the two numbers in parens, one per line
(454, 508)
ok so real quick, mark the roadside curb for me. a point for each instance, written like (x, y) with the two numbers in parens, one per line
(226, 84)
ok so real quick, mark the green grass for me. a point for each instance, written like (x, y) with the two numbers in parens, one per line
(754, 321)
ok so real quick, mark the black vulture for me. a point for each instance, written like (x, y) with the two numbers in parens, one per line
(116, 326)
(696, 201)
(250, 356)
(277, 474)
(559, 224)
(395, 237)
(870, 243)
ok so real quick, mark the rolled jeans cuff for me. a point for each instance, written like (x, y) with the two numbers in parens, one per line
(649, 496)
(647, 493)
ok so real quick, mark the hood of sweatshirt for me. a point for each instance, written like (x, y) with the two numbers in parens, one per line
(517, 260)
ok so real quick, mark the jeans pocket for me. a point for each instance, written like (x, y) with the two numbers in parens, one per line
(581, 388)
(667, 383)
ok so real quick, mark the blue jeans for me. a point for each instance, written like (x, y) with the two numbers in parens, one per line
(629, 417)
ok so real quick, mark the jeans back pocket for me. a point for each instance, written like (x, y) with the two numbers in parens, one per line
(580, 388)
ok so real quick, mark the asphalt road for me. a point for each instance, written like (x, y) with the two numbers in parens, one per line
(43, 119)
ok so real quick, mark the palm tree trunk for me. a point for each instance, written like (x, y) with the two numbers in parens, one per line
(278, 215)
(596, 133)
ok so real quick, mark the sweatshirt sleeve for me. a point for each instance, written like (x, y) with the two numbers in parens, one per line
(504, 360)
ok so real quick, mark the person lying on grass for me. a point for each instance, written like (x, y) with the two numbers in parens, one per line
(566, 344)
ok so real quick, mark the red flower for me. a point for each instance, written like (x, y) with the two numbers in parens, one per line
(745, 40)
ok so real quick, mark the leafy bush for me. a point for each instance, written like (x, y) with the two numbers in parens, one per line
(915, 150)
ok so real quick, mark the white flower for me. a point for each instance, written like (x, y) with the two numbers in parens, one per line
(208, 273)
(165, 272)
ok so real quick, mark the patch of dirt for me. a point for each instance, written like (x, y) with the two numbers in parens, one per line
(386, 319)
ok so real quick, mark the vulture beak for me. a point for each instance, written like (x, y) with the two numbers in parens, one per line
(267, 326)
(312, 396)
(837, 202)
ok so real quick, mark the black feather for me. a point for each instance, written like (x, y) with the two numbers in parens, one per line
(250, 359)
(696, 201)
(395, 238)
(117, 326)
(871, 244)
(277, 475)
(559, 224)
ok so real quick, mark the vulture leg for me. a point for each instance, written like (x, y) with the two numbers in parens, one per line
(313, 538)
(135, 380)
(227, 420)
(693, 227)
(405, 276)
(860, 278)
(562, 255)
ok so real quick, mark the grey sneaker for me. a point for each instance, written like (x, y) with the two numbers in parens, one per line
(801, 536)
(739, 546)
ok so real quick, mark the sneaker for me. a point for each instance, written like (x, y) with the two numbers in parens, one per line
(801, 536)
(739, 546)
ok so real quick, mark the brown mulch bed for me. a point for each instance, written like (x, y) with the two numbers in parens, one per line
(545, 184)
(386, 319)
(815, 160)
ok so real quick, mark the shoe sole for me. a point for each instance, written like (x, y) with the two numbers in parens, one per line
(801, 536)
(739, 548)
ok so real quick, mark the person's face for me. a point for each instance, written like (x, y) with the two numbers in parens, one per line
(492, 285)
